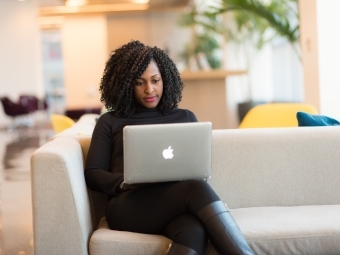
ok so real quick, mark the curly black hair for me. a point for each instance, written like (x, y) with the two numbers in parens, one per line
(125, 65)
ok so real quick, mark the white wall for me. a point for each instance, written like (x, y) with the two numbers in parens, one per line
(320, 47)
(287, 73)
(329, 54)
(20, 58)
(85, 52)
(274, 72)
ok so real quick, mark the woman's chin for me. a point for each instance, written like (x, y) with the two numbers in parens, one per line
(150, 105)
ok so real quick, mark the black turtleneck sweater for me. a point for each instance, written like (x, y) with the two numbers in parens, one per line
(104, 165)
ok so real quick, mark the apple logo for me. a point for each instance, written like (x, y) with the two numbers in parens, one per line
(167, 153)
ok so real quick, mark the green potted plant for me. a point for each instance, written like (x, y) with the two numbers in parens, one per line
(249, 22)
(203, 45)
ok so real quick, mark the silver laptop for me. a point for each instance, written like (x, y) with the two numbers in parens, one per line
(167, 152)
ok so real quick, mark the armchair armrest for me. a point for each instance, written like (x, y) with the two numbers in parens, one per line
(62, 216)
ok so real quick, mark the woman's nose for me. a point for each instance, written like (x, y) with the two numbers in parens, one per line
(148, 88)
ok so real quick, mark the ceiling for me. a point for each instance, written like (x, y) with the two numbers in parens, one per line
(152, 3)
(57, 7)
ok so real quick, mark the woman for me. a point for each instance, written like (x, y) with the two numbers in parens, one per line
(141, 85)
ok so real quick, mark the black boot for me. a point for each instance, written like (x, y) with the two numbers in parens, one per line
(178, 249)
(223, 232)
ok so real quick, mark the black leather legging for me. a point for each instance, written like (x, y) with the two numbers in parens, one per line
(166, 208)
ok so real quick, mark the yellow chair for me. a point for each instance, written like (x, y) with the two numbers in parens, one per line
(275, 115)
(61, 122)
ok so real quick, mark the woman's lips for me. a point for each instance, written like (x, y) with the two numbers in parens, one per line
(150, 99)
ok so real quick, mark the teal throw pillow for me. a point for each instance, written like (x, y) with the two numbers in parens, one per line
(307, 120)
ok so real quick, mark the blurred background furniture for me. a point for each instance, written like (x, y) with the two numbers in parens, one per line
(32, 103)
(75, 114)
(61, 122)
(37, 107)
(275, 115)
(17, 112)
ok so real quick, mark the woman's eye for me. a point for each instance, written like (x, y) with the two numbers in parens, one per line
(139, 83)
(155, 81)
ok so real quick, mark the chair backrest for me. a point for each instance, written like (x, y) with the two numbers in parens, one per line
(13, 109)
(33, 103)
(4, 102)
(61, 122)
(275, 115)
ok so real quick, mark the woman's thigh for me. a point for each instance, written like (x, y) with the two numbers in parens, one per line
(150, 209)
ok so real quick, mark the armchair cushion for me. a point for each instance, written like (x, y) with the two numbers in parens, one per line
(107, 242)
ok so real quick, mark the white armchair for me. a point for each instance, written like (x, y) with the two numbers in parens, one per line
(282, 185)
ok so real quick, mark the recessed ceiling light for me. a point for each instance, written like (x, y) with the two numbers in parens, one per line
(92, 8)
(75, 2)
(140, 1)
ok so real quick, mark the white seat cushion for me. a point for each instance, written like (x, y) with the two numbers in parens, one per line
(109, 242)
(310, 230)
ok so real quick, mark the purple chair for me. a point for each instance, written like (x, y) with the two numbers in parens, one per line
(14, 111)
(32, 103)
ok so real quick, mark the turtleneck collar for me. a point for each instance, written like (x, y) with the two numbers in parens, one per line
(140, 109)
